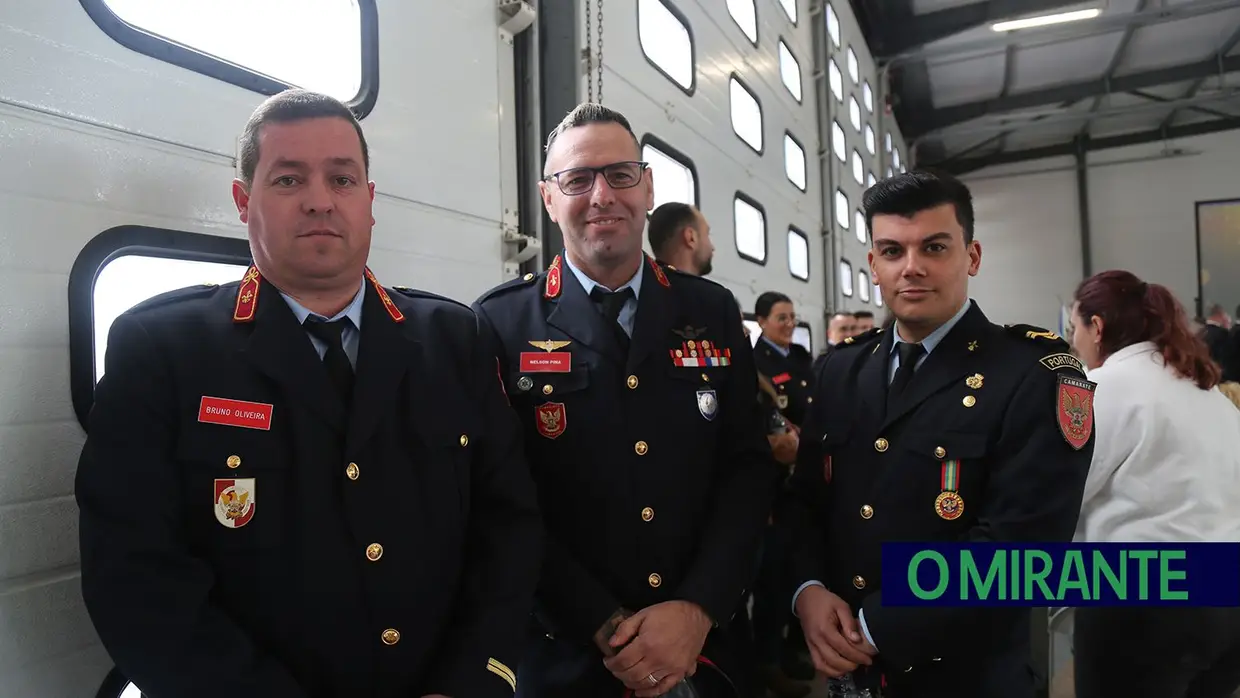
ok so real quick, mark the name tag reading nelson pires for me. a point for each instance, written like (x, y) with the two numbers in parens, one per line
(235, 413)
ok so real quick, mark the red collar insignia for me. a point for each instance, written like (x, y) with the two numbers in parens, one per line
(553, 279)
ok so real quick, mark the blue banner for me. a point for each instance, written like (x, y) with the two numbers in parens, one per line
(1061, 574)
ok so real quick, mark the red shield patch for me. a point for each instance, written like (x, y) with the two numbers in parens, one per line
(550, 419)
(1075, 410)
(235, 502)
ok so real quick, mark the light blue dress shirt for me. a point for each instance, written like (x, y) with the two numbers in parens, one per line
(350, 336)
(628, 313)
(782, 351)
(929, 343)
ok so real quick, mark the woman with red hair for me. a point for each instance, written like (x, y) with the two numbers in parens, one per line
(1166, 468)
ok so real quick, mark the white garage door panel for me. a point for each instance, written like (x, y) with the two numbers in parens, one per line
(43, 618)
(38, 537)
(35, 386)
(700, 126)
(49, 678)
(407, 259)
(68, 65)
(435, 132)
(48, 445)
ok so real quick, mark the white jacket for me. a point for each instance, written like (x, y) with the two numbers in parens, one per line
(1166, 465)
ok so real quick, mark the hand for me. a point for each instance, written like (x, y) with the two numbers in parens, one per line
(662, 641)
(833, 635)
(784, 446)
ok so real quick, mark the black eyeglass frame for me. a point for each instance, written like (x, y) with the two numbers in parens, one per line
(596, 171)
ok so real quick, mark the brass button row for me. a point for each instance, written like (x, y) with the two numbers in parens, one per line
(880, 445)
(353, 472)
(374, 551)
(632, 382)
(647, 514)
(391, 636)
(641, 448)
(654, 580)
(859, 582)
(867, 511)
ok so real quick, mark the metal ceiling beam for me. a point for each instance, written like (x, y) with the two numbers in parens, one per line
(941, 119)
(1167, 100)
(968, 165)
(1223, 49)
(1060, 33)
(940, 24)
(1116, 59)
(1003, 122)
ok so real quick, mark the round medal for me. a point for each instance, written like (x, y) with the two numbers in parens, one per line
(949, 506)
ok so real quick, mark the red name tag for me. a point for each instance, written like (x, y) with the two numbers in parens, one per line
(781, 379)
(546, 362)
(235, 413)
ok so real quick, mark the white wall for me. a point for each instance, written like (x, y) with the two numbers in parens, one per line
(1142, 208)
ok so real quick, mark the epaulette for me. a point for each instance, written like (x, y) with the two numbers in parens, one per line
(426, 295)
(519, 282)
(170, 297)
(680, 274)
(860, 340)
(1037, 334)
(1059, 351)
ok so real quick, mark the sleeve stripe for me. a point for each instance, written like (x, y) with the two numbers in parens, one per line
(496, 667)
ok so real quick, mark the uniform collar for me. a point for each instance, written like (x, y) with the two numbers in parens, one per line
(932, 340)
(588, 284)
(353, 310)
(782, 351)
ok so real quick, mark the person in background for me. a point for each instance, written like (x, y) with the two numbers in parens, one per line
(785, 362)
(1218, 337)
(788, 366)
(392, 546)
(840, 326)
(945, 428)
(637, 389)
(679, 236)
(1165, 469)
(864, 322)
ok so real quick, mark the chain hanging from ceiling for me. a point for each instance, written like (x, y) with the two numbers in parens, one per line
(593, 54)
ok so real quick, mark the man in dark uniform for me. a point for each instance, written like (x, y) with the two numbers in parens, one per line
(637, 389)
(391, 548)
(945, 428)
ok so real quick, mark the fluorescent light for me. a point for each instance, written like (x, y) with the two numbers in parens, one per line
(1045, 20)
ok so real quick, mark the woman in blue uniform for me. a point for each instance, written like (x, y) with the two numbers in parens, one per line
(788, 364)
(787, 369)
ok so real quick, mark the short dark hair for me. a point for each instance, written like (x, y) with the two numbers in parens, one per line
(910, 193)
(289, 106)
(667, 220)
(863, 313)
(767, 301)
(588, 113)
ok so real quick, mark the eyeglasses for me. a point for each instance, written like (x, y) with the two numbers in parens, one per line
(579, 180)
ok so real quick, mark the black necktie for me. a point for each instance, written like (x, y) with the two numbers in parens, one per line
(909, 354)
(610, 302)
(337, 362)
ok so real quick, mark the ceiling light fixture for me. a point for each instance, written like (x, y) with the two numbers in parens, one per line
(1045, 20)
